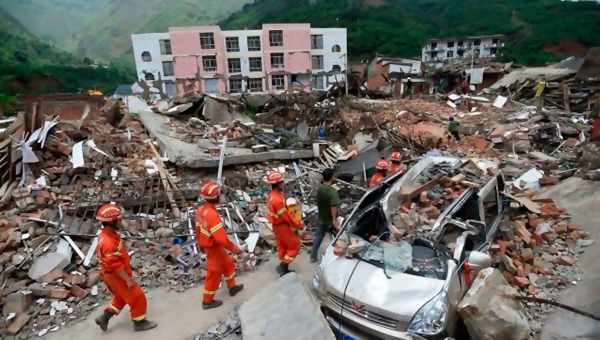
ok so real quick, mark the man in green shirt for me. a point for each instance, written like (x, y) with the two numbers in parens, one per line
(328, 201)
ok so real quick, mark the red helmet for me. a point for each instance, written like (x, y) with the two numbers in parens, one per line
(210, 190)
(274, 177)
(396, 156)
(109, 212)
(382, 165)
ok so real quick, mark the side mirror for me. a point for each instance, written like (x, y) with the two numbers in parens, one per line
(478, 260)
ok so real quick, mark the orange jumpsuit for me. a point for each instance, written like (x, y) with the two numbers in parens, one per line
(396, 167)
(113, 257)
(213, 240)
(376, 179)
(284, 226)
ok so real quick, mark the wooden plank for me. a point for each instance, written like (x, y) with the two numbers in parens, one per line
(164, 179)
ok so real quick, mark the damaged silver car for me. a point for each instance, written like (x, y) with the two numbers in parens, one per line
(409, 251)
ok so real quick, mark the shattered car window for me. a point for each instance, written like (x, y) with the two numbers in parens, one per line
(402, 257)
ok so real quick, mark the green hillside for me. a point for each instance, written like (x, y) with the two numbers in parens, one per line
(400, 27)
(101, 29)
(30, 66)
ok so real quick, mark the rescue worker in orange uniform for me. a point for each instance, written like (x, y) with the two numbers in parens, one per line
(285, 226)
(382, 167)
(116, 272)
(212, 239)
(397, 165)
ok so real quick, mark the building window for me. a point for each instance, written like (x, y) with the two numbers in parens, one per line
(433, 45)
(170, 88)
(336, 68)
(148, 76)
(493, 51)
(207, 41)
(450, 44)
(450, 54)
(255, 64)
(165, 47)
(477, 42)
(278, 82)
(277, 60)
(146, 56)
(316, 41)
(255, 84)
(476, 52)
(460, 53)
(433, 55)
(253, 43)
(209, 63)
(211, 85)
(317, 82)
(317, 62)
(494, 41)
(336, 48)
(235, 85)
(276, 38)
(232, 44)
(234, 65)
(461, 43)
(168, 69)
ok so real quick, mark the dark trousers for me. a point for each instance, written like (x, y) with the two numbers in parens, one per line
(455, 134)
(319, 236)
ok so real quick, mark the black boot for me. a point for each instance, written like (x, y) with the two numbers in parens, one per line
(102, 320)
(282, 268)
(143, 325)
(235, 289)
(214, 304)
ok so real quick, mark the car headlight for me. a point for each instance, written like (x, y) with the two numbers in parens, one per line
(431, 318)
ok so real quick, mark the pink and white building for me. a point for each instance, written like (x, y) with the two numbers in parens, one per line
(275, 58)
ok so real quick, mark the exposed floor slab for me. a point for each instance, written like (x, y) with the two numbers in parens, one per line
(196, 155)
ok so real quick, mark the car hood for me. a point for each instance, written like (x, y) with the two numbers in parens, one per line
(399, 297)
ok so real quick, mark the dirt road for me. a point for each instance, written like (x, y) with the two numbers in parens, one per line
(582, 200)
(180, 315)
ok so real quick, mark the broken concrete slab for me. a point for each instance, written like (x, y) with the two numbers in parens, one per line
(263, 316)
(49, 262)
(489, 312)
(196, 155)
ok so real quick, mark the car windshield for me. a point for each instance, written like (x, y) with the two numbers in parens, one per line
(402, 257)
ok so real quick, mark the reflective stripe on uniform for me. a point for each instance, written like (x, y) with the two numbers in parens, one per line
(216, 228)
(288, 259)
(280, 212)
(139, 318)
(205, 232)
(227, 278)
(209, 292)
(115, 309)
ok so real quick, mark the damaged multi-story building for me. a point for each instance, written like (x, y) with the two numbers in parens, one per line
(206, 59)
(446, 49)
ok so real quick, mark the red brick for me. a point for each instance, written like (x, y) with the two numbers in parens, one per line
(18, 323)
(522, 232)
(79, 292)
(566, 260)
(521, 281)
(549, 237)
(527, 255)
(59, 293)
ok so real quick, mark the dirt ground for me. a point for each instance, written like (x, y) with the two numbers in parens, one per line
(180, 315)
